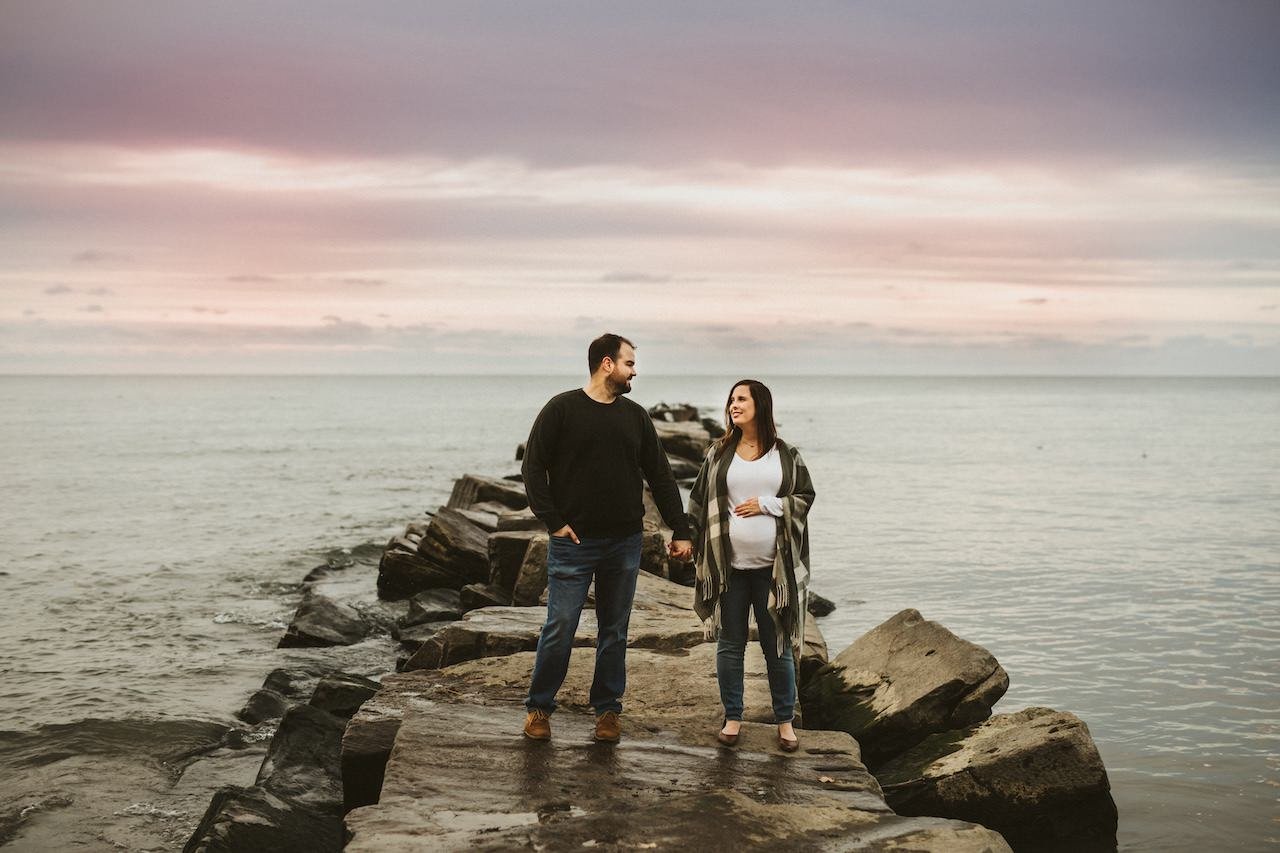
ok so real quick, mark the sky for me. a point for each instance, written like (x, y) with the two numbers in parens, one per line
(739, 187)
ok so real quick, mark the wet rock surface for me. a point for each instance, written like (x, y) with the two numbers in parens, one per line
(296, 801)
(664, 787)
(903, 680)
(241, 819)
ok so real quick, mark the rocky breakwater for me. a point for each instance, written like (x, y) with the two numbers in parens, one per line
(918, 700)
(434, 759)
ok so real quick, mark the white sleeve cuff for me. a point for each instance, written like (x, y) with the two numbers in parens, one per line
(771, 505)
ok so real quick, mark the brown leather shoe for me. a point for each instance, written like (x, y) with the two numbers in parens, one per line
(608, 727)
(788, 744)
(537, 725)
(727, 739)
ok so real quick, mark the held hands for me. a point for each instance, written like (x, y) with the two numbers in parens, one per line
(567, 533)
(748, 508)
(680, 549)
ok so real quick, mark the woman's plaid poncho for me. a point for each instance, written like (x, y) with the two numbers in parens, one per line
(709, 511)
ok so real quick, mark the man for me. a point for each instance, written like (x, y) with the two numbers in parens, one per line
(584, 464)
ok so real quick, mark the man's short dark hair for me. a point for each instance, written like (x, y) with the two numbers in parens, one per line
(607, 345)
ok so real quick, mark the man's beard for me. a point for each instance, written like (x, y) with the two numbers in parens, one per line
(618, 387)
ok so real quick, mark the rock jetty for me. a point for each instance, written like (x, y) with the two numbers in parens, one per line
(899, 746)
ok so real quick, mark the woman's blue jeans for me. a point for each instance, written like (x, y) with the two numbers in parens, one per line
(749, 590)
(614, 564)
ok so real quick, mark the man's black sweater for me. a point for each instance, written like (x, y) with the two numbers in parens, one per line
(584, 463)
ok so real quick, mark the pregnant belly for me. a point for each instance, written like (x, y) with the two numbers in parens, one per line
(753, 538)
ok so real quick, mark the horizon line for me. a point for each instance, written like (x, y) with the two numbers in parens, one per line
(494, 374)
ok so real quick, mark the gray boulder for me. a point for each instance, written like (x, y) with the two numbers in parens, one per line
(520, 519)
(819, 606)
(813, 655)
(240, 819)
(342, 694)
(476, 595)
(432, 605)
(321, 621)
(485, 520)
(684, 440)
(653, 553)
(683, 469)
(452, 553)
(506, 554)
(412, 637)
(296, 801)
(303, 760)
(403, 572)
(679, 413)
(531, 577)
(905, 679)
(263, 705)
(473, 489)
(1035, 776)
(452, 541)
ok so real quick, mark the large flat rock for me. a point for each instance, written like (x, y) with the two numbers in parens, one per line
(663, 690)
(1035, 776)
(905, 679)
(653, 791)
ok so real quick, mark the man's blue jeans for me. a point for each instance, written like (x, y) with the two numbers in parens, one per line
(750, 590)
(614, 563)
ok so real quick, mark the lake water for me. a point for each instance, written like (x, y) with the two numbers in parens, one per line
(1114, 542)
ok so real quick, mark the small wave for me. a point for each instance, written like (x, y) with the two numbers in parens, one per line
(261, 588)
(148, 810)
(368, 551)
(55, 802)
(260, 735)
(232, 618)
(12, 820)
(164, 740)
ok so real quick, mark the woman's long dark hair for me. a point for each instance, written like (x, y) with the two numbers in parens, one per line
(765, 426)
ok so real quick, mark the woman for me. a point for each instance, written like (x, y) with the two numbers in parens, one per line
(748, 509)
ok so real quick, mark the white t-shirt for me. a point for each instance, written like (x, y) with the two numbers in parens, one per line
(753, 540)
